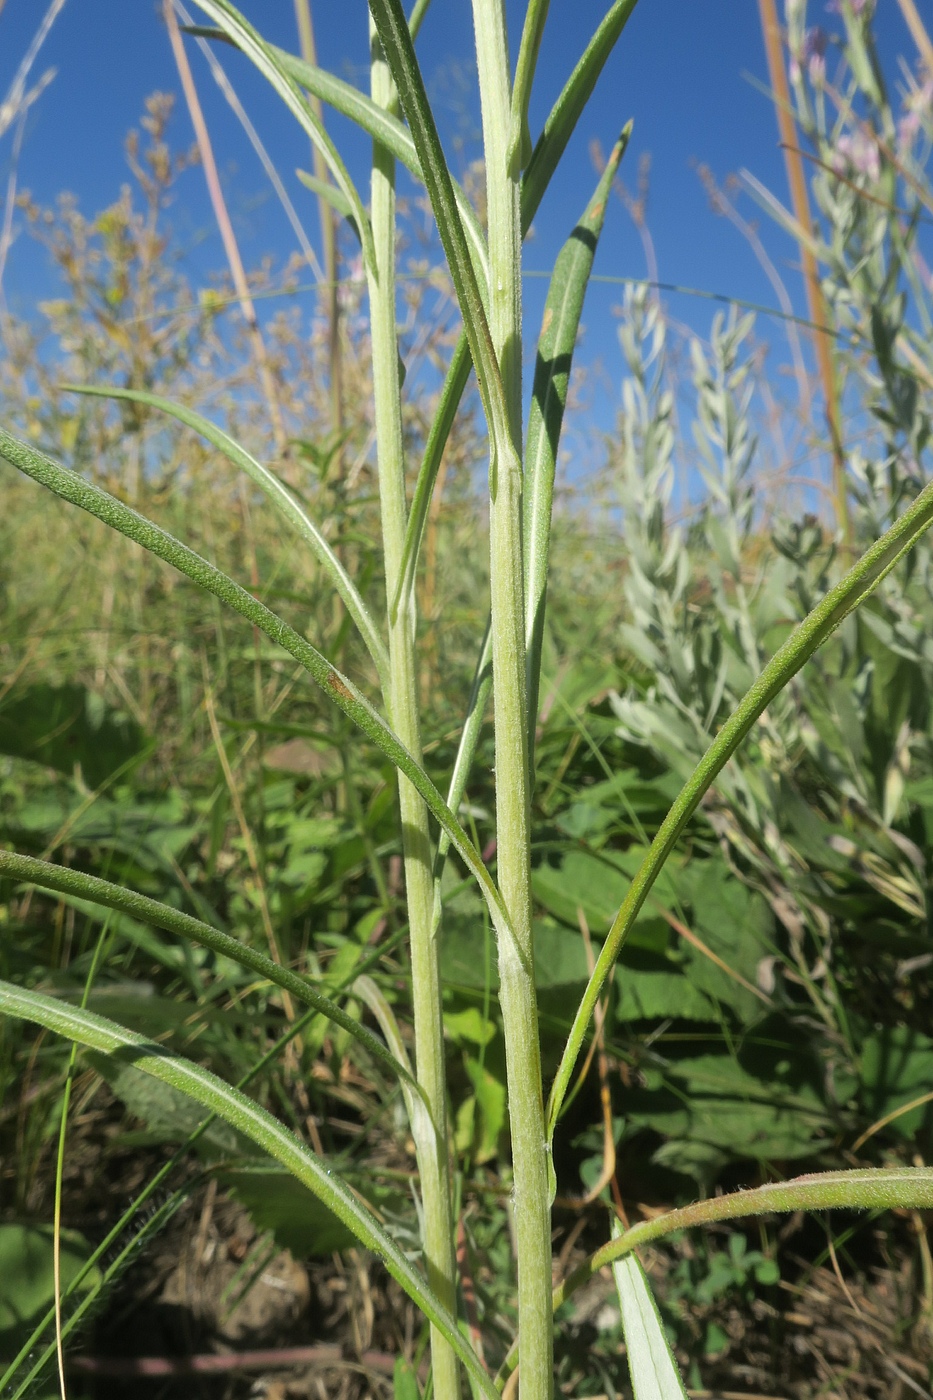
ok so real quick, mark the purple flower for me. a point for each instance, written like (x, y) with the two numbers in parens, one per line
(812, 55)
(858, 153)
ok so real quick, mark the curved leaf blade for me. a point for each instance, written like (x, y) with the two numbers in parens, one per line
(138, 906)
(556, 344)
(567, 110)
(263, 56)
(70, 486)
(97, 1033)
(389, 19)
(280, 497)
(860, 581)
(862, 1188)
(655, 1373)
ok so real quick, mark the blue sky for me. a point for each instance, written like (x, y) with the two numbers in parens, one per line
(682, 70)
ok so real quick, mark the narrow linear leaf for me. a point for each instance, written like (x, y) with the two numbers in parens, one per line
(480, 692)
(233, 24)
(567, 110)
(378, 123)
(70, 486)
(655, 1373)
(455, 380)
(260, 1127)
(281, 498)
(556, 344)
(389, 19)
(532, 34)
(327, 190)
(860, 581)
(422, 1126)
(558, 129)
(868, 1188)
(150, 911)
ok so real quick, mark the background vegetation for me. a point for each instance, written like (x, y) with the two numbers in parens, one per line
(770, 1014)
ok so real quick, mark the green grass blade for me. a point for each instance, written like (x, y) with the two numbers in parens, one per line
(557, 132)
(383, 127)
(655, 1374)
(860, 581)
(71, 486)
(863, 1188)
(150, 911)
(480, 692)
(97, 1033)
(280, 497)
(458, 372)
(532, 34)
(233, 24)
(566, 111)
(392, 28)
(327, 190)
(556, 345)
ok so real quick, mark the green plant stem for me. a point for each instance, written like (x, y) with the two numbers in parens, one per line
(517, 993)
(431, 1146)
(874, 1188)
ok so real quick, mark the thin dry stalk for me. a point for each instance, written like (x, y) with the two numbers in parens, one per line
(816, 302)
(231, 248)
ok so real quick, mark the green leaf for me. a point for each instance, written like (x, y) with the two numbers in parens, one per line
(150, 911)
(255, 1123)
(855, 586)
(267, 61)
(397, 46)
(278, 1202)
(532, 34)
(328, 191)
(27, 1283)
(896, 1067)
(97, 502)
(405, 1381)
(556, 344)
(455, 380)
(67, 726)
(566, 111)
(655, 1373)
(280, 497)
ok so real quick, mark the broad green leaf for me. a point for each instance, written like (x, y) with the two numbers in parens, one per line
(856, 585)
(556, 344)
(655, 1374)
(280, 497)
(97, 502)
(896, 1067)
(255, 1123)
(138, 906)
(67, 726)
(27, 1285)
(278, 1202)
(267, 61)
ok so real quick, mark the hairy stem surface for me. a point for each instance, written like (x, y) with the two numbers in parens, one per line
(516, 953)
(403, 708)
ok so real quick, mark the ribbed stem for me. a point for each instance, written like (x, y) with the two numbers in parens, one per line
(403, 714)
(516, 953)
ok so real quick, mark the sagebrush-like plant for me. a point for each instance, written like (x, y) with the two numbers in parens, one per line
(485, 266)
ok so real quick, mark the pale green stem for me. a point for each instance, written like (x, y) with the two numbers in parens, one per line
(402, 700)
(516, 953)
